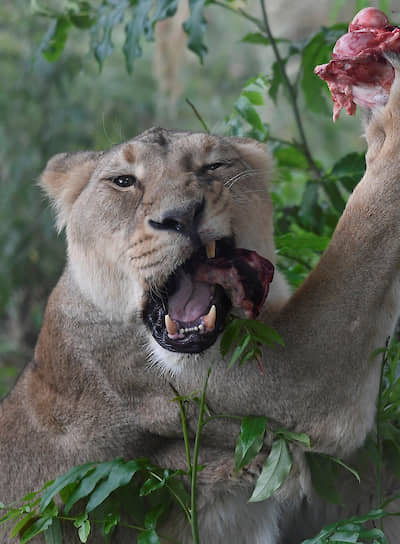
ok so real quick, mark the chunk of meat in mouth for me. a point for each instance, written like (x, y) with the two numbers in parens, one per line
(245, 277)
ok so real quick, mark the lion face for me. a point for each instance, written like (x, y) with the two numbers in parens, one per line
(163, 229)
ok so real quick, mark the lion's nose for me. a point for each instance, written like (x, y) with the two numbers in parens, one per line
(184, 219)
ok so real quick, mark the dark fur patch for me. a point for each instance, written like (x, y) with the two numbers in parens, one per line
(129, 153)
(155, 135)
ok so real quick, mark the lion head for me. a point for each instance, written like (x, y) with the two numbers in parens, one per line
(170, 229)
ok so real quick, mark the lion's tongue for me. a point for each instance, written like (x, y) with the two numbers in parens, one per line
(190, 301)
(244, 274)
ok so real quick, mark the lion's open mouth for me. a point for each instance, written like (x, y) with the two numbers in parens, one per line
(190, 310)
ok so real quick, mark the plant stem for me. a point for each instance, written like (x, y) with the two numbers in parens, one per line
(194, 523)
(184, 430)
(241, 12)
(177, 498)
(197, 114)
(291, 91)
(263, 26)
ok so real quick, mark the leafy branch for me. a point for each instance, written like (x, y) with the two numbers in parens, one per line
(248, 335)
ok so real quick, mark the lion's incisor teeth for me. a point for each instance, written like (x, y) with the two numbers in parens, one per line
(209, 319)
(170, 325)
(210, 250)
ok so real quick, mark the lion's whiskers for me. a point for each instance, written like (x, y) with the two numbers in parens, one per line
(245, 173)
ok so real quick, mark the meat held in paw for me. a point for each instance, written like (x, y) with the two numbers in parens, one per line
(359, 72)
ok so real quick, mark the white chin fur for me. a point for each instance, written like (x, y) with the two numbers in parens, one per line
(170, 363)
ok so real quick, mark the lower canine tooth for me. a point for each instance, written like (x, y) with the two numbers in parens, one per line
(209, 319)
(170, 325)
(210, 250)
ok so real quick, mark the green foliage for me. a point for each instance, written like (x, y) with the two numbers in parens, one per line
(248, 335)
(138, 488)
(352, 530)
(102, 22)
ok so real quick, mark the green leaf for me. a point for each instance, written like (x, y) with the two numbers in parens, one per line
(378, 513)
(74, 474)
(247, 356)
(11, 514)
(323, 475)
(84, 530)
(294, 437)
(230, 335)
(21, 523)
(82, 18)
(164, 9)
(255, 97)
(334, 195)
(37, 527)
(111, 521)
(53, 534)
(153, 515)
(133, 32)
(276, 470)
(318, 51)
(250, 440)
(345, 537)
(178, 491)
(310, 211)
(349, 170)
(148, 537)
(54, 41)
(352, 164)
(290, 156)
(109, 16)
(88, 483)
(256, 38)
(346, 467)
(239, 350)
(300, 241)
(121, 474)
(373, 534)
(195, 27)
(150, 485)
(29, 496)
(265, 334)
(275, 81)
(245, 108)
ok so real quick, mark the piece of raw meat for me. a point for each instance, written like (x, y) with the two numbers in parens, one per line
(359, 72)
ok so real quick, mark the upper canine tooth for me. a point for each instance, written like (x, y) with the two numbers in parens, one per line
(209, 319)
(170, 325)
(210, 250)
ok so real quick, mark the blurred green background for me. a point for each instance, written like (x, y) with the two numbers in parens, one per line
(47, 108)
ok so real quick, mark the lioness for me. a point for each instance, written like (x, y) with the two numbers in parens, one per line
(149, 224)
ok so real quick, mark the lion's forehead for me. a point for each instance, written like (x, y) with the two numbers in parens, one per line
(161, 150)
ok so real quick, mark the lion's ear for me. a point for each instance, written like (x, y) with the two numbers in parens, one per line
(255, 154)
(63, 179)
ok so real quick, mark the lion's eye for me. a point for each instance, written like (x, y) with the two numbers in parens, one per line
(126, 180)
(214, 166)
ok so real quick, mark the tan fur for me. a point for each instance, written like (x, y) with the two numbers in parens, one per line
(99, 384)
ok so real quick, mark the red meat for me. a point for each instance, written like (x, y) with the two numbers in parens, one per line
(359, 72)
